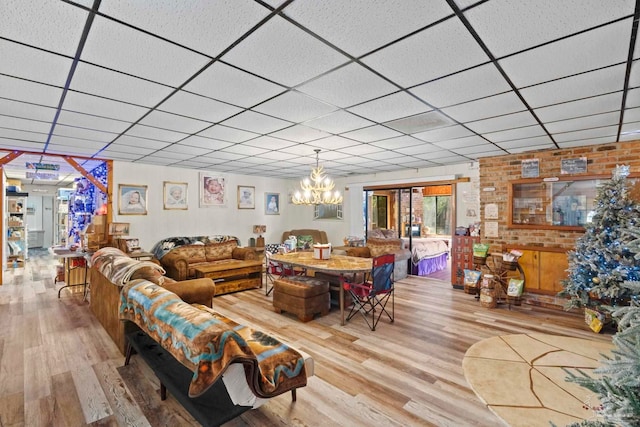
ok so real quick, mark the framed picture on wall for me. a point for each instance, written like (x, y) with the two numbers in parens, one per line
(212, 190)
(175, 195)
(272, 203)
(327, 211)
(132, 199)
(246, 197)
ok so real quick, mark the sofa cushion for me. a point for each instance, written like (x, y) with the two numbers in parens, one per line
(379, 248)
(218, 251)
(194, 253)
(376, 234)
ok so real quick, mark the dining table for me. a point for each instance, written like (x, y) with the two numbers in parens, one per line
(341, 265)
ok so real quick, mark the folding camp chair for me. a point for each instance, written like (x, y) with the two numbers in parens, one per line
(275, 269)
(370, 297)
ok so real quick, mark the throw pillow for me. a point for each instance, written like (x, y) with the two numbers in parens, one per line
(305, 242)
(376, 233)
(390, 234)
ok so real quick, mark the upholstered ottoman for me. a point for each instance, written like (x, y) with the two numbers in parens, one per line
(302, 296)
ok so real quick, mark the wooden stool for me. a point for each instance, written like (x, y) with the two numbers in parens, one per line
(302, 296)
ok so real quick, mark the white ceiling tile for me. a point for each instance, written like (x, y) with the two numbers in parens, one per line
(278, 156)
(129, 140)
(479, 151)
(295, 107)
(611, 131)
(300, 133)
(419, 149)
(360, 150)
(244, 150)
(506, 26)
(88, 146)
(24, 124)
(384, 155)
(174, 156)
(202, 25)
(347, 86)
(587, 142)
(163, 120)
(56, 148)
(598, 120)
(633, 98)
(21, 136)
(508, 121)
(87, 134)
(331, 143)
(372, 133)
(390, 107)
(33, 64)
(443, 134)
(10, 144)
(71, 118)
(440, 50)
(584, 52)
(584, 107)
(631, 115)
(52, 25)
(519, 133)
(226, 133)
(527, 142)
(94, 105)
(468, 141)
(348, 25)
(21, 90)
(185, 149)
(338, 122)
(399, 142)
(208, 143)
(476, 83)
(198, 107)
(256, 122)
(26, 111)
(269, 143)
(486, 107)
(581, 86)
(117, 86)
(125, 49)
(228, 84)
(529, 148)
(224, 155)
(154, 133)
(262, 53)
(634, 76)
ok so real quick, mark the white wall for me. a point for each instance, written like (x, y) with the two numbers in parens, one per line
(160, 223)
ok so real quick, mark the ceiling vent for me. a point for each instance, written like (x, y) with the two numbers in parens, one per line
(420, 122)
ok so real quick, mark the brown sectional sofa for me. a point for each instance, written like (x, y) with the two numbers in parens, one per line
(318, 236)
(105, 296)
(234, 262)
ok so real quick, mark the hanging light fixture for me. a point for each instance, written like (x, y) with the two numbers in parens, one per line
(317, 189)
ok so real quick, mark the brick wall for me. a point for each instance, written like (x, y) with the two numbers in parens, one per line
(498, 171)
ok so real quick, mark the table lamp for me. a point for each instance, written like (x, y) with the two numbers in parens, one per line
(259, 229)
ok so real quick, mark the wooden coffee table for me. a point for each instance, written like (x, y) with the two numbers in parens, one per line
(235, 275)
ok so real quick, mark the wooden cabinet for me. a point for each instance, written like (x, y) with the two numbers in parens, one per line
(461, 258)
(544, 268)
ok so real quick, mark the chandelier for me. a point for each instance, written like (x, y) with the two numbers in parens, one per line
(317, 189)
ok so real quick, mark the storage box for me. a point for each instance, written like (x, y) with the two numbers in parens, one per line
(321, 251)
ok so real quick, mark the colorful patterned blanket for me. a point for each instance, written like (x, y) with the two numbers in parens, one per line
(164, 246)
(207, 342)
(116, 266)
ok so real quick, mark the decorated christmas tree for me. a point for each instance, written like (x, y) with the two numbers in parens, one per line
(603, 259)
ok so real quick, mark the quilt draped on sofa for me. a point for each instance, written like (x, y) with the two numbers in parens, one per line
(207, 342)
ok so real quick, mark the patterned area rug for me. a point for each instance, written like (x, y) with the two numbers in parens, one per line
(521, 378)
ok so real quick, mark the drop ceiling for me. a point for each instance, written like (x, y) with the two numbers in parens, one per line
(254, 87)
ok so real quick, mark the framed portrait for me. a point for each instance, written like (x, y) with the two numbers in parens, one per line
(132, 199)
(246, 197)
(212, 190)
(272, 203)
(175, 195)
(327, 211)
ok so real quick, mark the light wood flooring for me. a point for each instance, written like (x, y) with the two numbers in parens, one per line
(58, 367)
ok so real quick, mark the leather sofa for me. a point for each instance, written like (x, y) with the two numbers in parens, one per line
(318, 236)
(240, 268)
(105, 294)
(375, 247)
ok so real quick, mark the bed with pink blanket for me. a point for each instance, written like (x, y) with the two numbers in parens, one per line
(428, 254)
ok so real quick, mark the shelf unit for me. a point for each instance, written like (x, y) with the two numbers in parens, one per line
(17, 247)
(62, 221)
